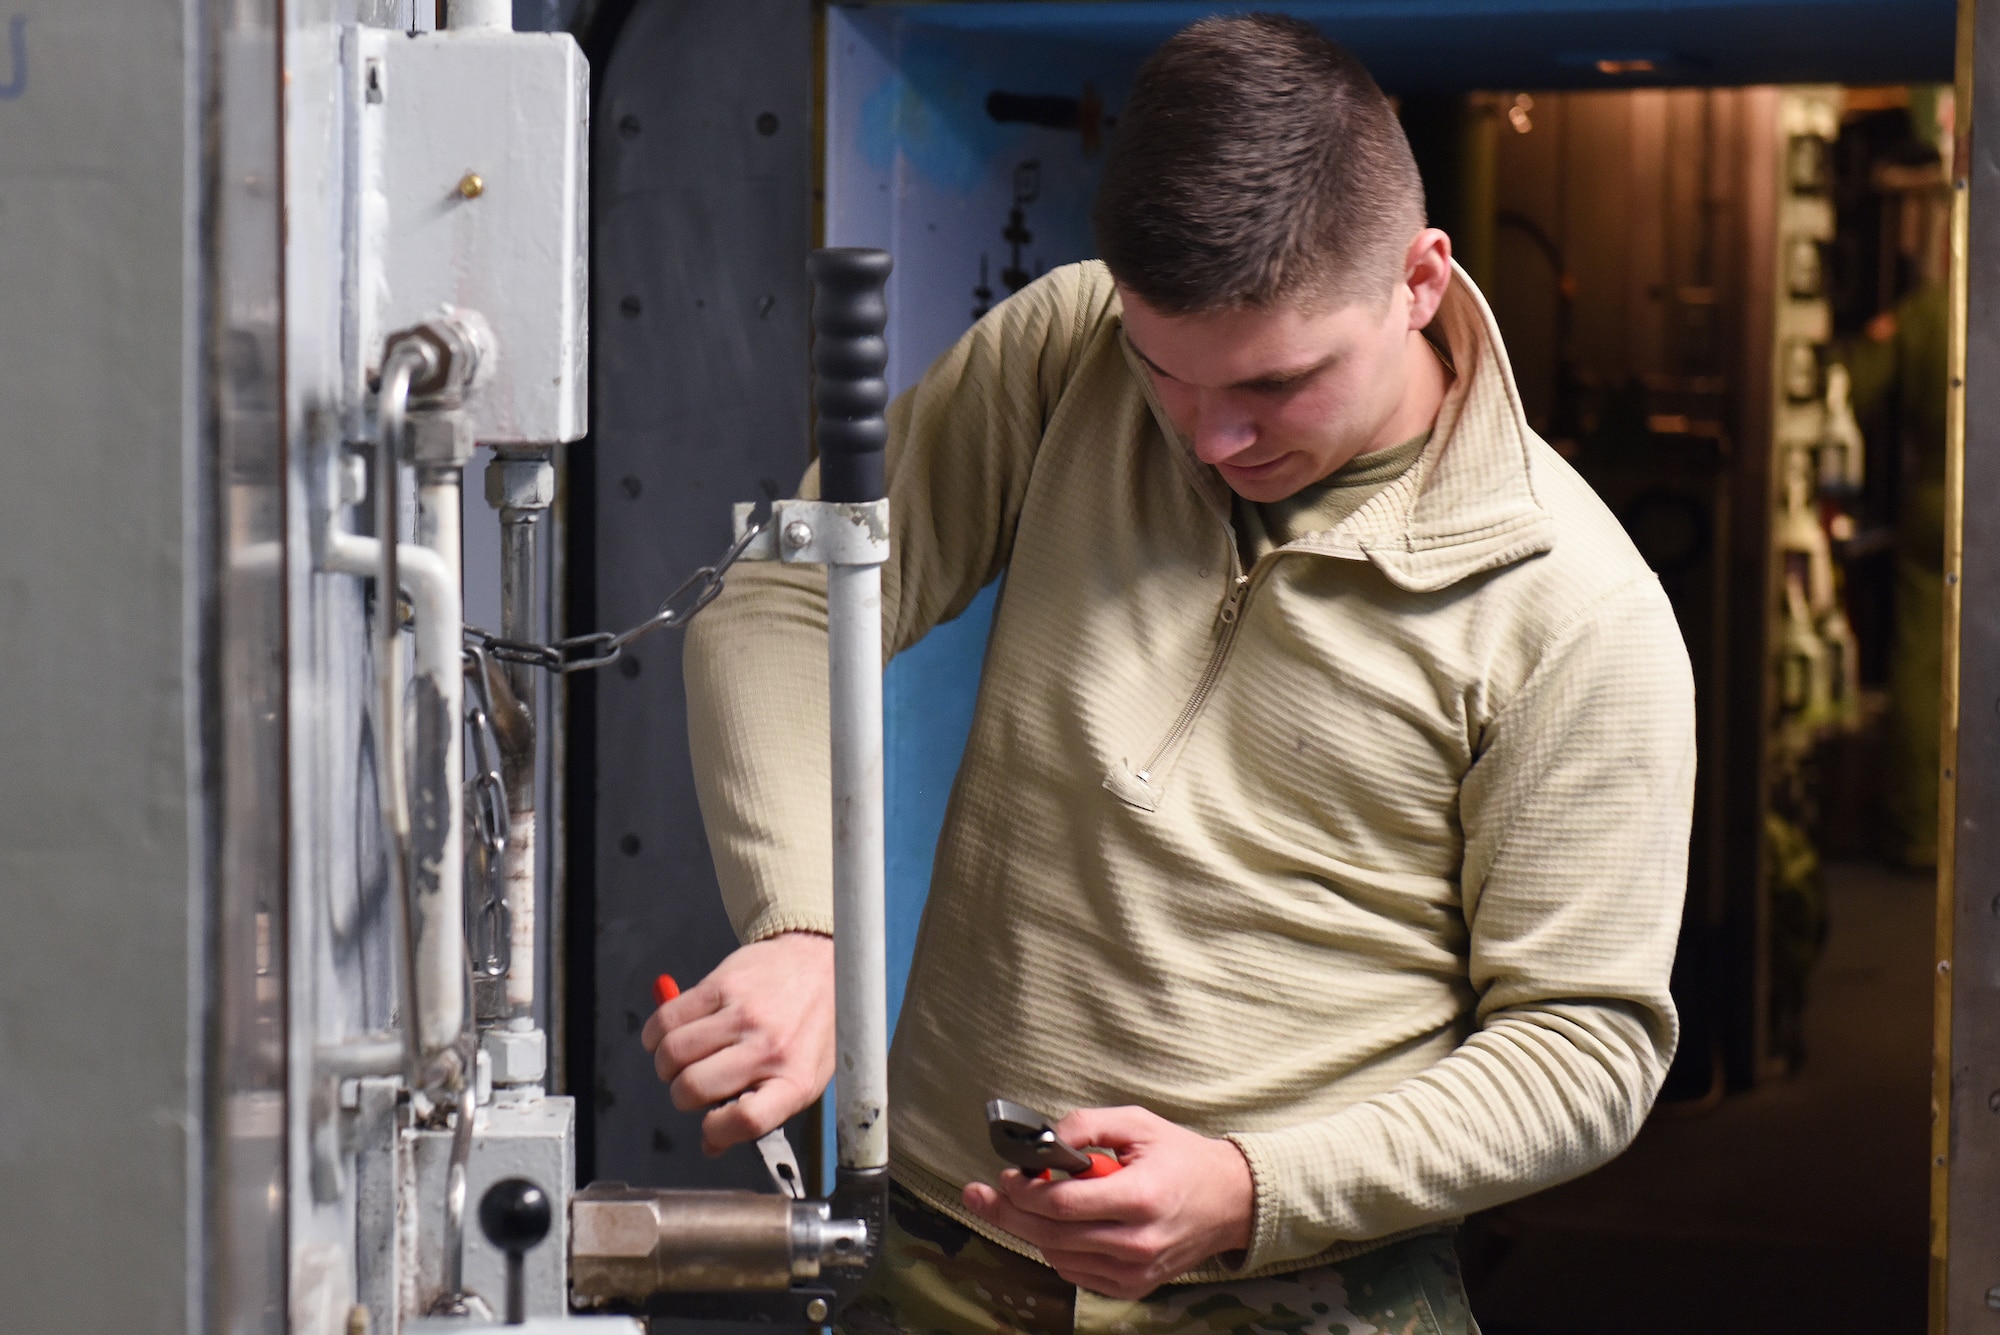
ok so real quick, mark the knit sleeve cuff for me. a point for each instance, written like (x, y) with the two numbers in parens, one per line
(1267, 1208)
(777, 920)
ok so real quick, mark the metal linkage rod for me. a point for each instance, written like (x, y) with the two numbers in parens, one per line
(849, 314)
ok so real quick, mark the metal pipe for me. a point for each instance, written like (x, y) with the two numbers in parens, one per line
(520, 620)
(849, 314)
(861, 1013)
(433, 1019)
(399, 369)
(520, 611)
(368, 1054)
(437, 799)
(491, 15)
(453, 1299)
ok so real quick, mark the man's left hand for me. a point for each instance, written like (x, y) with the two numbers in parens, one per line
(1180, 1199)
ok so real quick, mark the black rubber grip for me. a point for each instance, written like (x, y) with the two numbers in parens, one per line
(849, 312)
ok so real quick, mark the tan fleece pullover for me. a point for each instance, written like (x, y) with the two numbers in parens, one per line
(1369, 857)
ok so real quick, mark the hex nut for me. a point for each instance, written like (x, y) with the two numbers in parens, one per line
(440, 437)
(520, 484)
(519, 1056)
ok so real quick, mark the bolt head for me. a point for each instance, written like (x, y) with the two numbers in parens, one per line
(797, 534)
(816, 1309)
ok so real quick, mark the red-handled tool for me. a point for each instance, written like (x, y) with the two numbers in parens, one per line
(1024, 1138)
(775, 1149)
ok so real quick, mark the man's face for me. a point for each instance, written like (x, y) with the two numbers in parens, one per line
(1276, 398)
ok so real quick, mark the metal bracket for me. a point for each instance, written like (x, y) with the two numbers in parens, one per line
(819, 533)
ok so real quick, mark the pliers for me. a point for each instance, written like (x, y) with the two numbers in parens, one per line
(1024, 1138)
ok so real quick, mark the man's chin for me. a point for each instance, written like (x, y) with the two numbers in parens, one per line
(1261, 487)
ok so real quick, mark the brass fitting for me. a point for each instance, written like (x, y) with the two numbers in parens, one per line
(628, 1243)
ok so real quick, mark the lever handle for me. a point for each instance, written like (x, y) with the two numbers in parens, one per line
(514, 1215)
(849, 312)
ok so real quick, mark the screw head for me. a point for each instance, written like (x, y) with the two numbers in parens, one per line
(471, 185)
(797, 534)
(816, 1309)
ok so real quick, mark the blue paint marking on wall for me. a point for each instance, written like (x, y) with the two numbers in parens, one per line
(17, 46)
(902, 116)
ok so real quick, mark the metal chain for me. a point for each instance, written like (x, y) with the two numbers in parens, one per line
(581, 653)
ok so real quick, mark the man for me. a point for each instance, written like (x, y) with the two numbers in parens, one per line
(1320, 841)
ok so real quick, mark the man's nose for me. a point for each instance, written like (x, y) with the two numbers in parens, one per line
(1221, 431)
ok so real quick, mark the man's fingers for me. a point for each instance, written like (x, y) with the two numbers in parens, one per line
(1112, 1128)
(1076, 1200)
(758, 1113)
(997, 1210)
(720, 1076)
(690, 1042)
(687, 1044)
(703, 999)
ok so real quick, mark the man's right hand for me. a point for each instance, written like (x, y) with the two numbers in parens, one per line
(758, 1030)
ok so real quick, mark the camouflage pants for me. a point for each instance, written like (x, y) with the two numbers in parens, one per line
(940, 1278)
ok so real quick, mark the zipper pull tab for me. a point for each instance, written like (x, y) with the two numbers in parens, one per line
(1234, 602)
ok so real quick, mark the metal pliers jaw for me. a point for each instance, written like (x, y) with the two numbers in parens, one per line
(1025, 1139)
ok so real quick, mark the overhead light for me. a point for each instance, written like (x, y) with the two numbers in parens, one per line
(1630, 62)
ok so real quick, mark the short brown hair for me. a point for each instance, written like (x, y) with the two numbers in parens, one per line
(1256, 161)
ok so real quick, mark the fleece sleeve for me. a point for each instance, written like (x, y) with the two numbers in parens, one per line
(1576, 816)
(962, 443)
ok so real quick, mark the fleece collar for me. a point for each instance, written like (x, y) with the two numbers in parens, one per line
(1468, 504)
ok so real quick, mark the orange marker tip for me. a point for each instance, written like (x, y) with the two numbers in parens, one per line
(665, 989)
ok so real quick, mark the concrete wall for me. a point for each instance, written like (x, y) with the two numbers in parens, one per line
(100, 928)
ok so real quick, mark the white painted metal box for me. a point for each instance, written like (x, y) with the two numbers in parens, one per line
(474, 156)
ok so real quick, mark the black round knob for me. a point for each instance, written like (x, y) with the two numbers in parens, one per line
(514, 1214)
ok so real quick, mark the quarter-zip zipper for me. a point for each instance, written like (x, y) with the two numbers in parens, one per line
(1231, 616)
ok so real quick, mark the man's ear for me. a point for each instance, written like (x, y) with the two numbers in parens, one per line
(1427, 272)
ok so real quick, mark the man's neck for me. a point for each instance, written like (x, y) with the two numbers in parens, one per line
(1426, 382)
